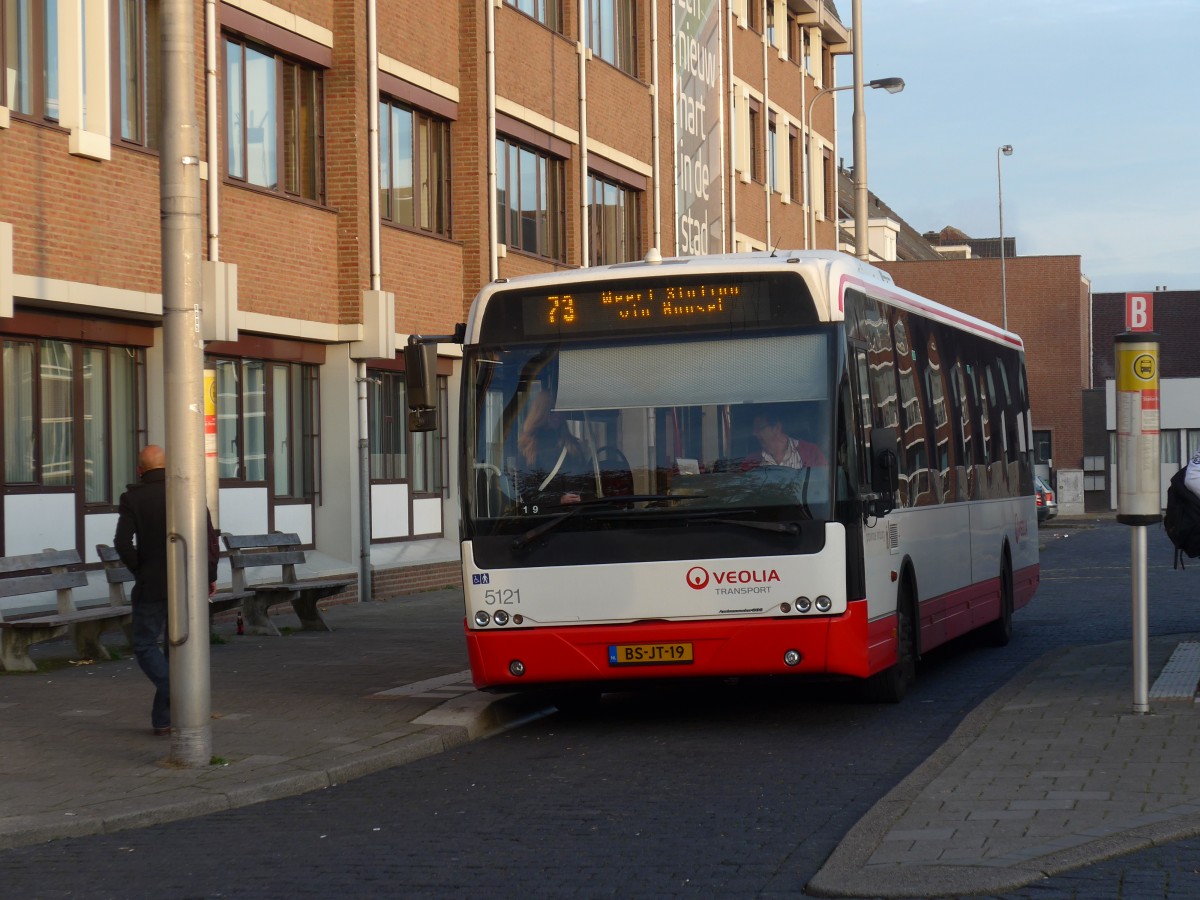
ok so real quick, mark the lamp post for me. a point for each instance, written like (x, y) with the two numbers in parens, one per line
(1005, 150)
(892, 86)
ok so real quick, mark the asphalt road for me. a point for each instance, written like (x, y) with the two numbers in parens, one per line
(731, 790)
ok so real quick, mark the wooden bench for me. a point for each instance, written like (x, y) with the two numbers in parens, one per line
(58, 571)
(250, 551)
(118, 576)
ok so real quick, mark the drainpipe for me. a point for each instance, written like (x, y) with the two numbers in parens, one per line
(733, 124)
(656, 166)
(584, 218)
(365, 588)
(766, 121)
(490, 70)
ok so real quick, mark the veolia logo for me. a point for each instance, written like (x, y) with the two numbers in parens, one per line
(698, 576)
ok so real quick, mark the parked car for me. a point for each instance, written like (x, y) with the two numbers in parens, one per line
(1047, 506)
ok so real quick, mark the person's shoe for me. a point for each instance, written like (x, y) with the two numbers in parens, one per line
(162, 732)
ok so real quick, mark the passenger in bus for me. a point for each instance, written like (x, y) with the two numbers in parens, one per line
(557, 469)
(778, 448)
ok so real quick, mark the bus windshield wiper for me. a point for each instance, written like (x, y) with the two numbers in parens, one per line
(522, 542)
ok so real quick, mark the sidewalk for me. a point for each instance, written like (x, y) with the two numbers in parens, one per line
(1052, 772)
(291, 714)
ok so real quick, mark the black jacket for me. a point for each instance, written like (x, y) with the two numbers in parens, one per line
(143, 514)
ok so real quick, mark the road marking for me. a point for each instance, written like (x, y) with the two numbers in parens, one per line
(441, 688)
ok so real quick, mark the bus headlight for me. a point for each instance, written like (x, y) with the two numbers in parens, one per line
(501, 617)
(482, 619)
(803, 604)
(824, 604)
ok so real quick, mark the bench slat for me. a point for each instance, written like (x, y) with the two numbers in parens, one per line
(15, 585)
(33, 561)
(249, 541)
(246, 559)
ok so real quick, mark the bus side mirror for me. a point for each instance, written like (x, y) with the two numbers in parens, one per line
(420, 383)
(885, 471)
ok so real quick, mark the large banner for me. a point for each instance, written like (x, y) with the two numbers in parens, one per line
(699, 151)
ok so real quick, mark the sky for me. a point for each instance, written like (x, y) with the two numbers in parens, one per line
(1096, 98)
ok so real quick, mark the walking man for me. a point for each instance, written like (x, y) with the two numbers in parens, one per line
(141, 542)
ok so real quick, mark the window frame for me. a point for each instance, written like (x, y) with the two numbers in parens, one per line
(431, 189)
(40, 79)
(616, 44)
(289, 155)
(387, 401)
(146, 56)
(628, 228)
(303, 377)
(550, 227)
(548, 13)
(118, 470)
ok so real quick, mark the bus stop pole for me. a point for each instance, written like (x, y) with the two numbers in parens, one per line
(1141, 668)
(1138, 490)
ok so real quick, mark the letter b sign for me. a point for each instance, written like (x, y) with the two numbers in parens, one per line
(1139, 312)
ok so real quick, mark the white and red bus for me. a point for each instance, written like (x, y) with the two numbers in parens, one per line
(625, 519)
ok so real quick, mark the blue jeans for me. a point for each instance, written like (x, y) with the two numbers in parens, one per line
(149, 625)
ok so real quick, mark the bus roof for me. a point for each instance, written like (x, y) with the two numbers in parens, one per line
(828, 274)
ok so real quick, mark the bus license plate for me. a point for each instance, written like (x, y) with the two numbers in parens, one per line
(649, 654)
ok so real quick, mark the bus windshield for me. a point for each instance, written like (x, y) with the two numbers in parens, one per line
(648, 427)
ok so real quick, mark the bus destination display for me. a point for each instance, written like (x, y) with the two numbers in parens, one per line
(649, 306)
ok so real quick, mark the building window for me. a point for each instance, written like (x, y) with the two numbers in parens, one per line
(414, 168)
(530, 200)
(772, 155)
(30, 57)
(398, 454)
(274, 126)
(795, 162)
(613, 216)
(755, 141)
(548, 12)
(754, 15)
(74, 416)
(267, 425)
(612, 33)
(794, 30)
(828, 176)
(138, 77)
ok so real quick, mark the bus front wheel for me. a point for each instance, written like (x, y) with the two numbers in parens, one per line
(890, 685)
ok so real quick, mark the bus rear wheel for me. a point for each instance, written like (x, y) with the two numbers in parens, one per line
(890, 685)
(998, 632)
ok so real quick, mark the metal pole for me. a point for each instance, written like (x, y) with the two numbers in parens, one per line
(1141, 670)
(183, 376)
(1006, 150)
(861, 241)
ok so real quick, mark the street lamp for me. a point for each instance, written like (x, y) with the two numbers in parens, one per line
(1006, 150)
(892, 86)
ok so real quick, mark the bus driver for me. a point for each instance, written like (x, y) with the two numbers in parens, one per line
(780, 449)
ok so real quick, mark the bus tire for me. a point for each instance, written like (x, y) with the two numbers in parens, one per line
(890, 685)
(998, 632)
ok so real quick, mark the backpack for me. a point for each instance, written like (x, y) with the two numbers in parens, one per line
(1182, 519)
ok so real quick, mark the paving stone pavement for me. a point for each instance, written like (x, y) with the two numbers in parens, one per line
(291, 714)
(1052, 772)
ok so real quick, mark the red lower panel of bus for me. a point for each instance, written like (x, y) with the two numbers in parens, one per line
(951, 615)
(671, 650)
(839, 645)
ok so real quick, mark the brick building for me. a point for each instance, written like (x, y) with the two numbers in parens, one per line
(1048, 305)
(502, 148)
